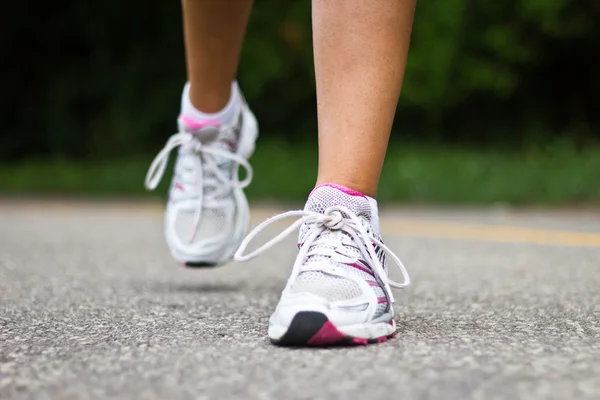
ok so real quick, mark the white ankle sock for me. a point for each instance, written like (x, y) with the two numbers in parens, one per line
(224, 117)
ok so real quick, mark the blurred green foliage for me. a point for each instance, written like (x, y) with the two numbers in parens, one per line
(424, 174)
(97, 79)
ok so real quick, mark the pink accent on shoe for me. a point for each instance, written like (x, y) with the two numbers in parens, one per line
(373, 283)
(231, 144)
(328, 334)
(363, 269)
(193, 124)
(179, 186)
(341, 188)
(382, 300)
(360, 341)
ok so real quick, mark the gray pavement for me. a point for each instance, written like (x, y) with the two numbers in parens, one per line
(504, 305)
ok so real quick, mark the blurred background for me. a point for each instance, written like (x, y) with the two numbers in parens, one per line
(500, 102)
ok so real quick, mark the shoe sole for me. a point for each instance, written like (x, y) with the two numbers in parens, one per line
(310, 328)
(200, 264)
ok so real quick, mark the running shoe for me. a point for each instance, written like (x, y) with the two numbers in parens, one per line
(339, 291)
(207, 214)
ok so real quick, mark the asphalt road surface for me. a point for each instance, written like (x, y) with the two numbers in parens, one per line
(504, 305)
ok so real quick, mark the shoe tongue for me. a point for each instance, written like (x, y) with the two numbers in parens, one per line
(210, 132)
(205, 131)
(329, 195)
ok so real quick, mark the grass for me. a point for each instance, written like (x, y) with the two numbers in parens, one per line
(557, 175)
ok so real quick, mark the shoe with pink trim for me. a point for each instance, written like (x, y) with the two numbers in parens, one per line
(207, 214)
(339, 291)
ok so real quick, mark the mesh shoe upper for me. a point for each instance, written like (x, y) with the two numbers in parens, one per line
(339, 288)
(337, 247)
(214, 218)
(339, 271)
(207, 213)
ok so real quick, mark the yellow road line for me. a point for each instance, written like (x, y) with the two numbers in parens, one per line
(490, 233)
(468, 231)
(389, 225)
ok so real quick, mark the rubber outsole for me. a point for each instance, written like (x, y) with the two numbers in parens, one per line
(200, 265)
(310, 328)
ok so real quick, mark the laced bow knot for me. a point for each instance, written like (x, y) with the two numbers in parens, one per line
(334, 218)
(188, 140)
(195, 145)
(205, 171)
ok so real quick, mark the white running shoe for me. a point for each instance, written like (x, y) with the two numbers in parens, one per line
(207, 213)
(339, 291)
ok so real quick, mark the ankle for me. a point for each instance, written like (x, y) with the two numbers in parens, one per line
(349, 184)
(212, 106)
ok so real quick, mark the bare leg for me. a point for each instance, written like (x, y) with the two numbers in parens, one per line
(214, 32)
(360, 49)
(207, 213)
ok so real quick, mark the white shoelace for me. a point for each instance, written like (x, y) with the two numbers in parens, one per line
(207, 174)
(333, 219)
